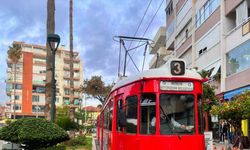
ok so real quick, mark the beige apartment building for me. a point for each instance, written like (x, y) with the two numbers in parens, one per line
(212, 35)
(31, 76)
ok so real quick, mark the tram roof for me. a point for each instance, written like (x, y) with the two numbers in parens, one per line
(162, 72)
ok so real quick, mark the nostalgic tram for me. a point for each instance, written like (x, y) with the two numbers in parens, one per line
(156, 109)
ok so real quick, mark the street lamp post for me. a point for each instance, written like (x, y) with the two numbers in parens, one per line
(53, 39)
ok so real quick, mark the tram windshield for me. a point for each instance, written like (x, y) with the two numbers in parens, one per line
(176, 114)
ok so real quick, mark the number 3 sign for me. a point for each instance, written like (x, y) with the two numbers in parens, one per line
(177, 67)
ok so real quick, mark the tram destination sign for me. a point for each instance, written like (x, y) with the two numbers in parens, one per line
(176, 86)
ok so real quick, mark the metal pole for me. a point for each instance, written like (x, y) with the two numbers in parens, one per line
(36, 109)
(53, 87)
(85, 121)
(125, 61)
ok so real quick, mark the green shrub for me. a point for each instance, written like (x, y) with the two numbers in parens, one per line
(66, 123)
(78, 141)
(8, 121)
(34, 133)
(57, 147)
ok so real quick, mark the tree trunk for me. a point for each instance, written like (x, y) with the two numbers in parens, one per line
(14, 91)
(206, 121)
(72, 110)
(50, 30)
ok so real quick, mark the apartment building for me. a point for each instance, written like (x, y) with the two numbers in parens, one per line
(31, 77)
(212, 35)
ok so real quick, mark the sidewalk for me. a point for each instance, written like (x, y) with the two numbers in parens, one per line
(222, 146)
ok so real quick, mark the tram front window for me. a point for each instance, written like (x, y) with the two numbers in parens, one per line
(176, 114)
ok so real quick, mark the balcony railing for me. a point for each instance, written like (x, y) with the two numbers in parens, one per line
(37, 82)
(238, 35)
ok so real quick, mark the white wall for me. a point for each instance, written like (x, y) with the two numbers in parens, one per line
(209, 40)
(187, 56)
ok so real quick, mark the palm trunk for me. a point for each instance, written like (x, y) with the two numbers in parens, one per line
(72, 110)
(14, 91)
(50, 29)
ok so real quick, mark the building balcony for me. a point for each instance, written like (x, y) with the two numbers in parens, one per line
(67, 86)
(11, 71)
(158, 60)
(17, 101)
(76, 78)
(68, 96)
(230, 5)
(159, 40)
(20, 61)
(67, 59)
(39, 63)
(183, 46)
(238, 35)
(11, 80)
(40, 55)
(38, 82)
(11, 92)
(67, 68)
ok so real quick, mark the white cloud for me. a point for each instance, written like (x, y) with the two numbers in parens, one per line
(95, 23)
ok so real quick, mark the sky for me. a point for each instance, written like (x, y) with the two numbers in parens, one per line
(95, 23)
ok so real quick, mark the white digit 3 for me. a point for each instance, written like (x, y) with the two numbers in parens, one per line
(177, 67)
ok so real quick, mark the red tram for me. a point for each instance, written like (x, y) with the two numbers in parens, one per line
(156, 109)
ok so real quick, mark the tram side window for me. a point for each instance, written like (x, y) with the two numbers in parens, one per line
(110, 114)
(201, 125)
(148, 111)
(106, 118)
(119, 108)
(131, 114)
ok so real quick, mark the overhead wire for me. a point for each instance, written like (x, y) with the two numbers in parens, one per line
(145, 12)
(137, 29)
(151, 21)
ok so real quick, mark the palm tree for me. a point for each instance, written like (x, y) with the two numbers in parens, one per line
(50, 30)
(72, 109)
(14, 54)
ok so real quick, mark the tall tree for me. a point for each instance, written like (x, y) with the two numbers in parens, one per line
(208, 98)
(96, 88)
(50, 30)
(72, 108)
(14, 54)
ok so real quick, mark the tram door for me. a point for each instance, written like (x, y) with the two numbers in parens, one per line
(101, 130)
(118, 134)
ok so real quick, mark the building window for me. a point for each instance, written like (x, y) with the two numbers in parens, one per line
(8, 87)
(66, 100)
(17, 97)
(170, 30)
(67, 82)
(35, 98)
(206, 10)
(17, 107)
(238, 59)
(66, 91)
(38, 89)
(18, 86)
(37, 108)
(169, 9)
(131, 114)
(76, 101)
(202, 51)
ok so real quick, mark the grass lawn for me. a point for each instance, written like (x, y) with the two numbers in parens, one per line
(88, 146)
